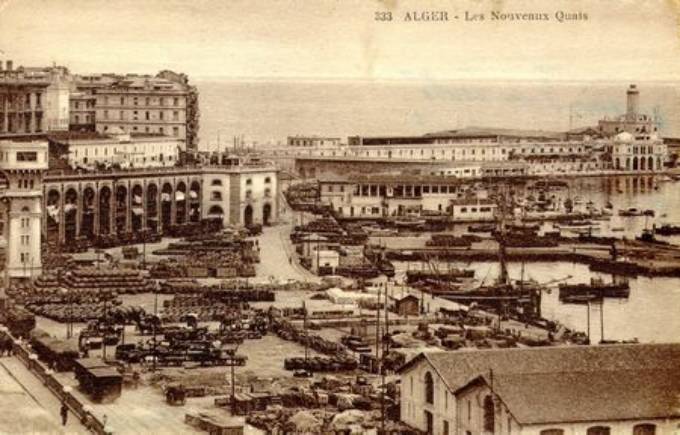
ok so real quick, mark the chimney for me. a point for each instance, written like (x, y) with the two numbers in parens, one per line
(10, 64)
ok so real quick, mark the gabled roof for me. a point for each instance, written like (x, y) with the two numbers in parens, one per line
(605, 395)
(634, 381)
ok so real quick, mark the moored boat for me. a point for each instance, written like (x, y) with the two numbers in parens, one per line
(596, 287)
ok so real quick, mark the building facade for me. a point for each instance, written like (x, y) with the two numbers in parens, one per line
(385, 196)
(124, 150)
(22, 165)
(313, 141)
(122, 202)
(633, 122)
(82, 111)
(638, 154)
(33, 100)
(544, 391)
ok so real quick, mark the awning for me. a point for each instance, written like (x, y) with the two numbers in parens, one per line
(137, 211)
(179, 196)
(193, 194)
(165, 197)
(137, 199)
(69, 207)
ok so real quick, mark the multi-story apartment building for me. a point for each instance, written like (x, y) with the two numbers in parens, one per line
(33, 100)
(82, 111)
(142, 104)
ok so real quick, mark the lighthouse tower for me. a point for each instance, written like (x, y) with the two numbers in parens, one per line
(22, 165)
(632, 103)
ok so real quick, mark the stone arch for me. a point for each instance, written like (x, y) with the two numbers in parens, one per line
(650, 163)
(166, 204)
(618, 163)
(105, 194)
(216, 211)
(70, 214)
(121, 209)
(137, 208)
(88, 205)
(643, 163)
(181, 202)
(53, 201)
(248, 215)
(635, 163)
(658, 163)
(627, 163)
(195, 201)
(266, 213)
(152, 207)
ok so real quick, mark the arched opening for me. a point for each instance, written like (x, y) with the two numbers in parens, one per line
(195, 201)
(137, 208)
(429, 388)
(216, 212)
(489, 415)
(552, 432)
(152, 207)
(87, 222)
(618, 163)
(105, 210)
(52, 208)
(627, 163)
(266, 214)
(635, 163)
(644, 429)
(248, 216)
(166, 205)
(598, 430)
(70, 214)
(121, 209)
(181, 202)
(650, 163)
(658, 163)
(643, 163)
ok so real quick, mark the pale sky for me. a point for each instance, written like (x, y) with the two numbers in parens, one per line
(632, 40)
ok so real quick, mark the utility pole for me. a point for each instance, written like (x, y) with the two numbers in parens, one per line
(601, 320)
(588, 318)
(377, 334)
(155, 313)
(382, 362)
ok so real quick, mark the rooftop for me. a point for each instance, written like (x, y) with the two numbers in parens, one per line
(571, 382)
(389, 179)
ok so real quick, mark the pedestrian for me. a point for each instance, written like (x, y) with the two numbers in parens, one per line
(64, 413)
(290, 260)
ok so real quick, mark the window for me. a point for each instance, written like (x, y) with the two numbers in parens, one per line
(216, 196)
(27, 156)
(598, 430)
(134, 101)
(249, 182)
(147, 115)
(216, 182)
(160, 115)
(175, 131)
(268, 180)
(249, 194)
(175, 116)
(644, 429)
(267, 192)
(175, 102)
(429, 388)
(106, 114)
(147, 101)
(122, 101)
(121, 115)
(552, 432)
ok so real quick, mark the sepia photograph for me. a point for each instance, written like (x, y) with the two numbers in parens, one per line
(417, 217)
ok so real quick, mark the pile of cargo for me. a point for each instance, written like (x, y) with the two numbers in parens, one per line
(336, 363)
(19, 321)
(288, 331)
(64, 312)
(303, 197)
(100, 279)
(529, 241)
(449, 240)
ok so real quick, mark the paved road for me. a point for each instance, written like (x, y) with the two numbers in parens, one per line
(34, 409)
(276, 252)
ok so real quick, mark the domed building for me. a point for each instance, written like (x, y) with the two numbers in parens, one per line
(633, 154)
